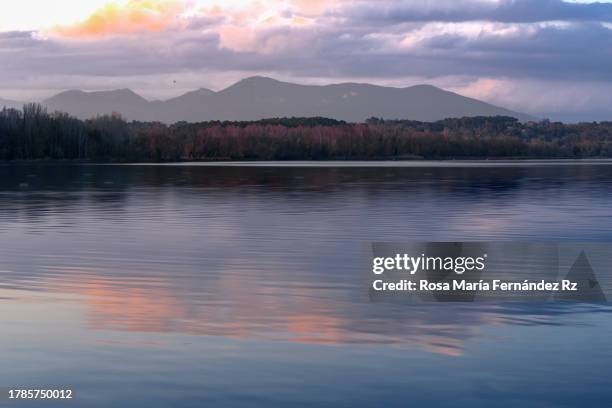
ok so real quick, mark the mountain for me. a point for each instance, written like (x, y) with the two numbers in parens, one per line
(7, 103)
(259, 97)
(189, 107)
(85, 105)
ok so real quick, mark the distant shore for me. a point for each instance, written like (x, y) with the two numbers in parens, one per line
(493, 162)
(34, 134)
(392, 163)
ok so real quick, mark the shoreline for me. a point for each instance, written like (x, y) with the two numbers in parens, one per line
(497, 162)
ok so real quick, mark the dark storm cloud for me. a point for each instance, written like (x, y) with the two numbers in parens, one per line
(13, 35)
(572, 51)
(14, 40)
(506, 11)
(547, 52)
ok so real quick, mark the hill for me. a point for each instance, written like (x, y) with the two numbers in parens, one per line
(259, 97)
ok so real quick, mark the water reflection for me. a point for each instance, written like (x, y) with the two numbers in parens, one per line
(244, 252)
(273, 255)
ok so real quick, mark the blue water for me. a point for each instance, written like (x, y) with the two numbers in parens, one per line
(191, 286)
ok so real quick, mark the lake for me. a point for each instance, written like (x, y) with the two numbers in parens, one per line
(238, 286)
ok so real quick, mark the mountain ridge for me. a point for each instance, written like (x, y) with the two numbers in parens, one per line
(260, 97)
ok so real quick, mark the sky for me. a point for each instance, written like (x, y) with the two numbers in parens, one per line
(546, 57)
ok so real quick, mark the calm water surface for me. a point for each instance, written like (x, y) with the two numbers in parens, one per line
(192, 286)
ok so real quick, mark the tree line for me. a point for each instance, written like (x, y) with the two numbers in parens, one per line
(33, 133)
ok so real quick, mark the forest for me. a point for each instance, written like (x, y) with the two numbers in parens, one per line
(35, 134)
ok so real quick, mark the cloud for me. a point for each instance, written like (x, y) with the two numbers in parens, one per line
(319, 49)
(558, 100)
(507, 11)
(466, 45)
(132, 17)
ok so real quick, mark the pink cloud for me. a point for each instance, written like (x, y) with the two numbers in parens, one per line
(135, 16)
